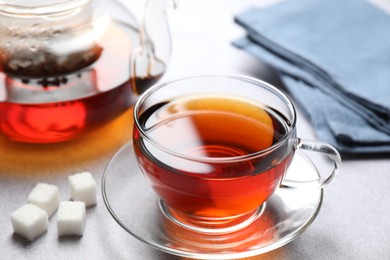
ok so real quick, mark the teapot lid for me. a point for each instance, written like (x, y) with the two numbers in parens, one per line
(19, 7)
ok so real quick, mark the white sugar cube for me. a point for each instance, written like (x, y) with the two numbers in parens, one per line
(45, 196)
(83, 188)
(29, 221)
(71, 218)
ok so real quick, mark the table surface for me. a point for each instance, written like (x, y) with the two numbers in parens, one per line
(354, 220)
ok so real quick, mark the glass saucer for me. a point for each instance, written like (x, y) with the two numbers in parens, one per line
(134, 206)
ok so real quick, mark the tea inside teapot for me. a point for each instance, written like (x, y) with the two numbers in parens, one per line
(67, 68)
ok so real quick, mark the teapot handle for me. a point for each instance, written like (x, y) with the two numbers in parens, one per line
(155, 28)
(153, 52)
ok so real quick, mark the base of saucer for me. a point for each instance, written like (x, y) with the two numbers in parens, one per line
(135, 207)
(211, 226)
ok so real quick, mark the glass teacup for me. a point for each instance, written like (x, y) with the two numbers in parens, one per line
(214, 148)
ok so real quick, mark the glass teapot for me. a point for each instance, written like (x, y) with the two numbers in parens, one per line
(70, 66)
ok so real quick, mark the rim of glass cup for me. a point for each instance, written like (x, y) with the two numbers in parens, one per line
(238, 77)
(7, 7)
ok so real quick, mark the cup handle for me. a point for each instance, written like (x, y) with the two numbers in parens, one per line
(328, 152)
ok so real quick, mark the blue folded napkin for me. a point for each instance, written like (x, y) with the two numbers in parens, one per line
(334, 59)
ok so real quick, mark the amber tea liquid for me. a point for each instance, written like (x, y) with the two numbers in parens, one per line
(62, 106)
(206, 127)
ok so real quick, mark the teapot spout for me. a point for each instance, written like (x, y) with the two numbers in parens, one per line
(150, 58)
